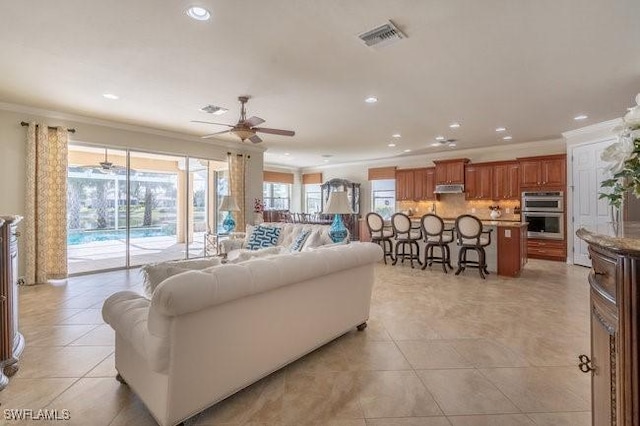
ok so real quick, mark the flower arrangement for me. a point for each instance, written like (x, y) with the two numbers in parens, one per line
(258, 205)
(624, 156)
(496, 207)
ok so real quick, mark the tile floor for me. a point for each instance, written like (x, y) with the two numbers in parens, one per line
(439, 350)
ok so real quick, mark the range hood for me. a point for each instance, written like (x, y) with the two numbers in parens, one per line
(449, 189)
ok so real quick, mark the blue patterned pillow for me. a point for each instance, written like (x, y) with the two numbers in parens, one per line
(297, 244)
(263, 237)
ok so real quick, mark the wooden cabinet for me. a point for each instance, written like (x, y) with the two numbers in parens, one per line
(415, 184)
(450, 171)
(478, 182)
(11, 341)
(613, 363)
(512, 249)
(547, 172)
(506, 181)
(547, 249)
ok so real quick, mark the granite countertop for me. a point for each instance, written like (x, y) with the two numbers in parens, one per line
(623, 237)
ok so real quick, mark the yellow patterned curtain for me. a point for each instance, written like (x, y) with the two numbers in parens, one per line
(237, 173)
(46, 218)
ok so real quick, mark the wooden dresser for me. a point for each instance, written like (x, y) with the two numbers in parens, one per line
(614, 362)
(11, 341)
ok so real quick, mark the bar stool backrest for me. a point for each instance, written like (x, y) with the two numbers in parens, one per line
(375, 223)
(468, 227)
(401, 223)
(432, 225)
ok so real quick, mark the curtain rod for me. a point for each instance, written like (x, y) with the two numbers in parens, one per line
(24, 124)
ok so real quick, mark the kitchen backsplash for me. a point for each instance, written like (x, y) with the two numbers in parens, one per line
(454, 205)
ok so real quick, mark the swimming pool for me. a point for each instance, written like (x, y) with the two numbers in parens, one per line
(83, 237)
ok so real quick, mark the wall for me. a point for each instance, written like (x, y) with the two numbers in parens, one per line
(357, 172)
(99, 132)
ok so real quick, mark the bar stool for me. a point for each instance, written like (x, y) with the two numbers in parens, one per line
(434, 231)
(470, 236)
(406, 236)
(380, 234)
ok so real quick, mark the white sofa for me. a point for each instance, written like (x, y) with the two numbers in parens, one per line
(289, 231)
(205, 335)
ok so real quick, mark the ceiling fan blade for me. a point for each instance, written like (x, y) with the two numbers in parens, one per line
(210, 122)
(214, 134)
(255, 139)
(275, 131)
(254, 121)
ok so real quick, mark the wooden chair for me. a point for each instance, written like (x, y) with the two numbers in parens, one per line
(406, 236)
(470, 236)
(380, 234)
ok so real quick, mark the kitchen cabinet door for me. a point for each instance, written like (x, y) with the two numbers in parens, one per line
(471, 182)
(530, 173)
(513, 187)
(450, 172)
(419, 184)
(430, 184)
(506, 181)
(404, 185)
(485, 183)
(553, 172)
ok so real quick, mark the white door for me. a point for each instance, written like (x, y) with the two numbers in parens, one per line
(588, 171)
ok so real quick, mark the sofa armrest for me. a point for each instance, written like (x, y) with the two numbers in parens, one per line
(231, 244)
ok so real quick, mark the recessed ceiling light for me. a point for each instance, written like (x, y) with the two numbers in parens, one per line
(507, 138)
(435, 144)
(454, 125)
(396, 135)
(198, 13)
(580, 117)
(391, 145)
(452, 145)
(371, 100)
(111, 96)
(212, 109)
(440, 138)
(286, 153)
(407, 150)
(325, 160)
(500, 129)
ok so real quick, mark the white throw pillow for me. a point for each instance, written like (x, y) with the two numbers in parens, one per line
(155, 273)
(245, 255)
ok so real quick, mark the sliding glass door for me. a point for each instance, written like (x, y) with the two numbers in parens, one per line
(128, 209)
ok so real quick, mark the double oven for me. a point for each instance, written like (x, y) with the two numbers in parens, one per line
(544, 212)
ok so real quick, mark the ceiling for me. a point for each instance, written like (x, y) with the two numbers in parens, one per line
(530, 66)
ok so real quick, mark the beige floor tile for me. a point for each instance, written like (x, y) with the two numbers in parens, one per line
(86, 316)
(53, 335)
(134, 413)
(107, 368)
(32, 393)
(543, 389)
(409, 421)
(492, 420)
(562, 419)
(95, 401)
(47, 316)
(432, 354)
(465, 391)
(102, 335)
(370, 355)
(394, 394)
(487, 353)
(67, 361)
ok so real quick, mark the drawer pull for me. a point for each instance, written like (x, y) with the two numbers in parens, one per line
(585, 364)
(599, 273)
(17, 234)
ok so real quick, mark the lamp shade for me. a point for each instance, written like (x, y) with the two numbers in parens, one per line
(228, 204)
(338, 203)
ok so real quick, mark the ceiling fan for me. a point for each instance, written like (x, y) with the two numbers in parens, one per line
(105, 166)
(246, 127)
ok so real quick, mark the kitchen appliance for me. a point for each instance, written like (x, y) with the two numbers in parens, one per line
(543, 201)
(544, 213)
(449, 189)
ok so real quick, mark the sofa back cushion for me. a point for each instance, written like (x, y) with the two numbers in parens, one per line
(154, 273)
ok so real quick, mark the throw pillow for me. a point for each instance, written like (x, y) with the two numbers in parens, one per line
(299, 241)
(246, 255)
(263, 237)
(155, 273)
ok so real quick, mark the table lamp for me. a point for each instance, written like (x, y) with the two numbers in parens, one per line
(338, 204)
(228, 205)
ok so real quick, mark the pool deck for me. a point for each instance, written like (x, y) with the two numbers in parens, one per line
(101, 255)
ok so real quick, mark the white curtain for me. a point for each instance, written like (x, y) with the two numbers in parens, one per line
(45, 227)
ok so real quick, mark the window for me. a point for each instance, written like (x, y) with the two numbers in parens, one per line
(383, 197)
(277, 196)
(312, 198)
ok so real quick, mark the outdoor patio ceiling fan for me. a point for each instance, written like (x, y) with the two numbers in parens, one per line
(246, 127)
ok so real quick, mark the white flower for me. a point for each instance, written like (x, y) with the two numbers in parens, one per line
(632, 118)
(618, 154)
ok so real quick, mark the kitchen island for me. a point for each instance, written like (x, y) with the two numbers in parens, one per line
(506, 255)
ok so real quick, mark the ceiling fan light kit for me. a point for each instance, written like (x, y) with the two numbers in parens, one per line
(246, 128)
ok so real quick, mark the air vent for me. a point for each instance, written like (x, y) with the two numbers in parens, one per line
(382, 36)
(212, 109)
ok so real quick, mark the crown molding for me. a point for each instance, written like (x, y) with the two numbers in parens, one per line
(57, 115)
(594, 131)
